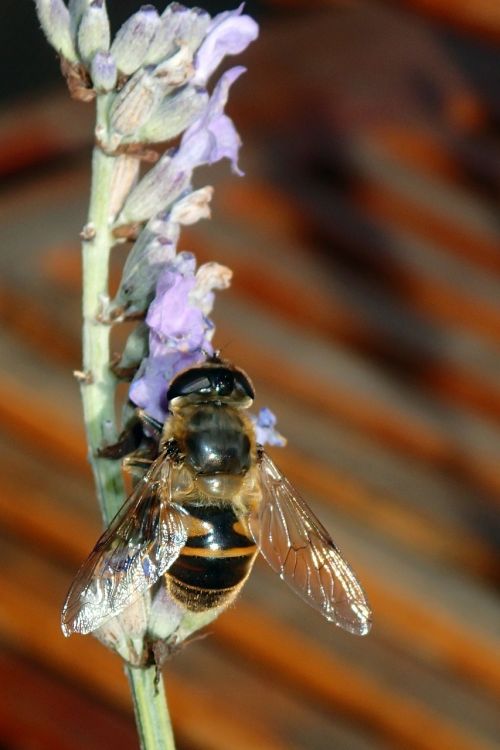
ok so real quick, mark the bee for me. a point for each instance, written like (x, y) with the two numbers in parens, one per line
(209, 502)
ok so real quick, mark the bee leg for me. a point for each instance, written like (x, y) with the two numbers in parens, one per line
(128, 442)
(130, 463)
(150, 422)
(173, 451)
(122, 373)
(161, 652)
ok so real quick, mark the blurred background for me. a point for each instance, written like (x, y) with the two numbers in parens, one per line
(364, 241)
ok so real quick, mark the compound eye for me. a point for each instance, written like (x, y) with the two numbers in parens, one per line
(195, 380)
(243, 382)
(222, 382)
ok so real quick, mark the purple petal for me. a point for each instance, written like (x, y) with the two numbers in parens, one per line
(265, 432)
(149, 388)
(228, 34)
(213, 136)
(175, 323)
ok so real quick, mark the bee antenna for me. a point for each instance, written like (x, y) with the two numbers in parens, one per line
(214, 357)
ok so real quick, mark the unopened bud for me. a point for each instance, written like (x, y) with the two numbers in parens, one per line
(55, 21)
(76, 10)
(136, 348)
(155, 192)
(177, 69)
(135, 102)
(125, 174)
(177, 24)
(125, 632)
(141, 271)
(103, 71)
(192, 27)
(133, 39)
(173, 115)
(93, 32)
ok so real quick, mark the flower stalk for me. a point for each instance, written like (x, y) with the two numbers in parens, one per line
(150, 707)
(98, 382)
(98, 397)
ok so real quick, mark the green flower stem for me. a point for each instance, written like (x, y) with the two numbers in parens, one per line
(98, 396)
(153, 720)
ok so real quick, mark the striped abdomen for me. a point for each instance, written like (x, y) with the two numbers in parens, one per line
(215, 560)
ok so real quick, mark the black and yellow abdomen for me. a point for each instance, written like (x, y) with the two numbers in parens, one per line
(215, 561)
(214, 441)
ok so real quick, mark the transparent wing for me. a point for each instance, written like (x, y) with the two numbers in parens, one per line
(141, 542)
(300, 550)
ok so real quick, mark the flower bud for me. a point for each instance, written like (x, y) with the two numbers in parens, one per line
(93, 31)
(103, 71)
(177, 23)
(136, 347)
(76, 10)
(173, 115)
(125, 174)
(147, 259)
(191, 27)
(177, 69)
(155, 192)
(134, 103)
(125, 632)
(55, 21)
(154, 623)
(133, 39)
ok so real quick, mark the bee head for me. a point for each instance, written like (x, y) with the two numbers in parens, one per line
(214, 381)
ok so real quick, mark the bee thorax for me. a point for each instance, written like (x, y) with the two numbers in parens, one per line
(215, 441)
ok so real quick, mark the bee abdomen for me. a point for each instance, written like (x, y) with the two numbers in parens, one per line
(212, 565)
(214, 573)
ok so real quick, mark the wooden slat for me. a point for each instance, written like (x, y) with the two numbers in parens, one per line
(257, 637)
(481, 17)
(34, 631)
(52, 714)
(402, 434)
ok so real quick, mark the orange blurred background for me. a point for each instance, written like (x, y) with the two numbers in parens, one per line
(364, 241)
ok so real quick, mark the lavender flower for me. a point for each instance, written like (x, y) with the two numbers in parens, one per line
(229, 33)
(180, 330)
(210, 138)
(213, 136)
(155, 56)
(177, 23)
(265, 428)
